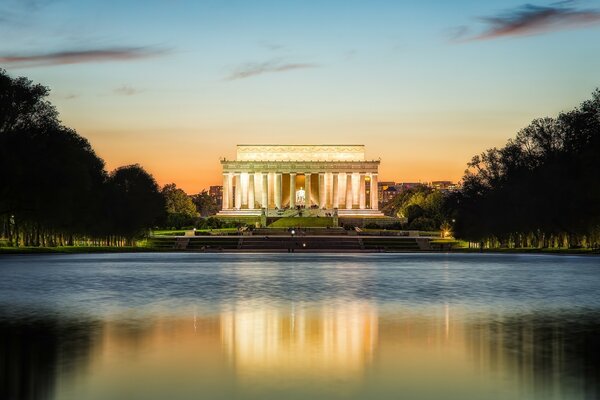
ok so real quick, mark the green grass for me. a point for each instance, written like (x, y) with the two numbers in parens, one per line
(522, 250)
(219, 230)
(168, 232)
(183, 232)
(75, 249)
(302, 222)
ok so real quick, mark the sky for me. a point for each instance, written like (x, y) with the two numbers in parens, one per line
(174, 84)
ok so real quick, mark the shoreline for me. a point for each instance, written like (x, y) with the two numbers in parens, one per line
(140, 249)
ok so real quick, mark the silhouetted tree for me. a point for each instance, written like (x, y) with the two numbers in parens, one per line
(53, 187)
(135, 203)
(542, 189)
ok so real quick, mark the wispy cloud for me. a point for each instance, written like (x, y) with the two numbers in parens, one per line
(253, 69)
(81, 56)
(530, 20)
(271, 46)
(127, 90)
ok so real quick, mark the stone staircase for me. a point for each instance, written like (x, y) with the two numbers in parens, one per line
(292, 243)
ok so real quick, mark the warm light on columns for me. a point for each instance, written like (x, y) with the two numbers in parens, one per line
(362, 192)
(322, 192)
(307, 188)
(355, 189)
(265, 190)
(292, 190)
(349, 191)
(225, 191)
(251, 193)
(278, 188)
(238, 191)
(244, 179)
(374, 192)
(336, 192)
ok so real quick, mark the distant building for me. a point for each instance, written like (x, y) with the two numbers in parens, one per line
(388, 194)
(443, 185)
(401, 186)
(381, 186)
(216, 192)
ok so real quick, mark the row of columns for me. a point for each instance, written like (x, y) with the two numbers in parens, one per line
(247, 198)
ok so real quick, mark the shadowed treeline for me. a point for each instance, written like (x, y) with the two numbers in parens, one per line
(33, 353)
(53, 187)
(540, 190)
(543, 349)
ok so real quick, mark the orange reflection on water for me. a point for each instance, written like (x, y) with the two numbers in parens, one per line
(348, 349)
(327, 340)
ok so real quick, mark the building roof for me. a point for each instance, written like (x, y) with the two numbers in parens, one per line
(276, 152)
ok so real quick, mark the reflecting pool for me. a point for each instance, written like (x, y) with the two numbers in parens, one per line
(299, 326)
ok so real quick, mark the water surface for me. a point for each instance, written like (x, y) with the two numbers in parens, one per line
(299, 326)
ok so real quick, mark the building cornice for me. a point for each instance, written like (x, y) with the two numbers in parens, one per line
(300, 166)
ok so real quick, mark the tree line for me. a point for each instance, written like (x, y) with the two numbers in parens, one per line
(55, 190)
(542, 189)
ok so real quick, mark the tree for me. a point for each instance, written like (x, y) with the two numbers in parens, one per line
(24, 105)
(541, 189)
(422, 207)
(51, 176)
(53, 187)
(206, 205)
(135, 202)
(180, 209)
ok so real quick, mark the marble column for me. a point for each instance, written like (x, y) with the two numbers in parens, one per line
(251, 192)
(278, 189)
(374, 192)
(225, 205)
(307, 191)
(336, 194)
(362, 192)
(230, 188)
(238, 191)
(293, 190)
(265, 190)
(349, 190)
(355, 190)
(322, 190)
(244, 186)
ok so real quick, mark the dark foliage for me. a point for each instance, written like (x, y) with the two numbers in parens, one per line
(542, 189)
(53, 187)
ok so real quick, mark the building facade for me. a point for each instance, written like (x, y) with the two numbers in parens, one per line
(216, 192)
(279, 177)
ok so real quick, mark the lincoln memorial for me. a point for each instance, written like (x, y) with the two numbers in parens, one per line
(314, 179)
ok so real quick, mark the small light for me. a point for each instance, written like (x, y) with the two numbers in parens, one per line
(293, 232)
(303, 244)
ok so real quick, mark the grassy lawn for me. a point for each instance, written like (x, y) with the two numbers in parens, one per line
(529, 251)
(168, 232)
(302, 222)
(179, 232)
(75, 249)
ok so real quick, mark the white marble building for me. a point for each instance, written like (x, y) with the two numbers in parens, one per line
(278, 177)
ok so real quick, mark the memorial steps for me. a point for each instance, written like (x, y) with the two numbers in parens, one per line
(288, 243)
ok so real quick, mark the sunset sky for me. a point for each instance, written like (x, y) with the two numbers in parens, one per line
(175, 84)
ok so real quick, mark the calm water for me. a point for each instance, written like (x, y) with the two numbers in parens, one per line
(293, 326)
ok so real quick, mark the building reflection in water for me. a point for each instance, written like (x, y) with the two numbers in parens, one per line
(316, 340)
(252, 350)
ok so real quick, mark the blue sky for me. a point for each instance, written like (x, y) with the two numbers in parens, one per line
(173, 84)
